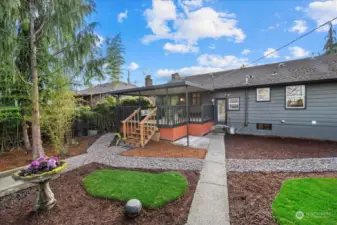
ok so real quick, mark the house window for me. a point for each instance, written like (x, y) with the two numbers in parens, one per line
(264, 126)
(295, 97)
(262, 94)
(234, 104)
(174, 100)
(196, 99)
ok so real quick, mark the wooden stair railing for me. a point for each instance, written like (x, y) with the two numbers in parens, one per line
(131, 123)
(148, 127)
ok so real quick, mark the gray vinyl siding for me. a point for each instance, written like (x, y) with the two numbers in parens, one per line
(321, 106)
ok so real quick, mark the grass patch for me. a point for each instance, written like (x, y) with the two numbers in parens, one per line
(154, 190)
(315, 197)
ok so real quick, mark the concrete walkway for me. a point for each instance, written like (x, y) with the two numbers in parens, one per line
(210, 202)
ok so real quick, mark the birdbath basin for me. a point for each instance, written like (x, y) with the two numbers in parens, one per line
(45, 199)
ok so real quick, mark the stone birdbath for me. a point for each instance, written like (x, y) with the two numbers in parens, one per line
(40, 172)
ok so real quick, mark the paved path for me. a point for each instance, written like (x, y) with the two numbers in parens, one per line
(194, 142)
(210, 202)
(284, 165)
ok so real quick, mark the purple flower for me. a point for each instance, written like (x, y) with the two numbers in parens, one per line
(55, 158)
(35, 164)
(52, 163)
(28, 167)
(42, 158)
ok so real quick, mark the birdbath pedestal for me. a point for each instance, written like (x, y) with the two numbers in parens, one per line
(45, 199)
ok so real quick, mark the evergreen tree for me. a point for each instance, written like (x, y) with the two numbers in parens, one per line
(39, 39)
(330, 47)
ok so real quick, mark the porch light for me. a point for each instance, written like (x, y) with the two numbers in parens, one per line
(213, 101)
(181, 99)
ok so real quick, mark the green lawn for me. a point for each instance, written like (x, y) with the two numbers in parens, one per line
(152, 189)
(307, 201)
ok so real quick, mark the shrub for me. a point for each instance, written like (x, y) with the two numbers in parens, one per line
(133, 101)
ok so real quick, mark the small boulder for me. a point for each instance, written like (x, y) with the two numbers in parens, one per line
(132, 208)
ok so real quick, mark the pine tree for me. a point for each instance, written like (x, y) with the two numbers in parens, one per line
(47, 36)
(330, 46)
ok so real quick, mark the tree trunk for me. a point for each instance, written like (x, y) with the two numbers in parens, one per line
(36, 132)
(26, 140)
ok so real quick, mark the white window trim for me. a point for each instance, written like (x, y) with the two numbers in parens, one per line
(233, 103)
(303, 96)
(257, 95)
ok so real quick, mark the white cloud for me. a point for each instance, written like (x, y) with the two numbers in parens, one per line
(212, 46)
(226, 62)
(297, 52)
(190, 26)
(207, 23)
(207, 63)
(300, 26)
(323, 11)
(121, 16)
(245, 51)
(188, 5)
(268, 54)
(298, 8)
(180, 48)
(100, 40)
(157, 19)
(186, 71)
(133, 66)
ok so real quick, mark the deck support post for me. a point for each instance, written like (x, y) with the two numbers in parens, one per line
(117, 114)
(187, 118)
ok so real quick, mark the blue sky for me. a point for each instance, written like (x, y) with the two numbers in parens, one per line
(197, 36)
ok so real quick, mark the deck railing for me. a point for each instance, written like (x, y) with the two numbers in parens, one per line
(148, 126)
(172, 116)
(131, 123)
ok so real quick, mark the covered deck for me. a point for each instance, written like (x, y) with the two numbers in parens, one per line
(175, 119)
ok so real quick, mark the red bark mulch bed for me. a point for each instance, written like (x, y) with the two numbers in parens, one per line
(75, 206)
(251, 195)
(166, 149)
(257, 147)
(20, 158)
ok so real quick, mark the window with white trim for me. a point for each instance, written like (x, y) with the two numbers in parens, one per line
(262, 94)
(234, 104)
(295, 97)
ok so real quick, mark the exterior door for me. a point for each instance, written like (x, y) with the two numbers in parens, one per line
(220, 111)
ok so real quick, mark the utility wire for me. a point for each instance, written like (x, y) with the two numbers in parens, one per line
(286, 45)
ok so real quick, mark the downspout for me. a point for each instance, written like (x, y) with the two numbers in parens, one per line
(246, 107)
(187, 119)
(245, 124)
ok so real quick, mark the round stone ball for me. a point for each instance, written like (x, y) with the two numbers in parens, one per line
(132, 208)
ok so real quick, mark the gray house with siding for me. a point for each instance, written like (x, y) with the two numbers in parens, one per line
(295, 98)
(292, 99)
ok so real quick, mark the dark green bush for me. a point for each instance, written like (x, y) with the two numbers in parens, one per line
(133, 101)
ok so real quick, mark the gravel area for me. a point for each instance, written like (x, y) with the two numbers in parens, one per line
(286, 165)
(100, 152)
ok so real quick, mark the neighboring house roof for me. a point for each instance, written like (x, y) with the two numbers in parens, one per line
(317, 68)
(105, 88)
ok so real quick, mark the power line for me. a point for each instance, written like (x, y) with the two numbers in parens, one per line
(286, 45)
(291, 42)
